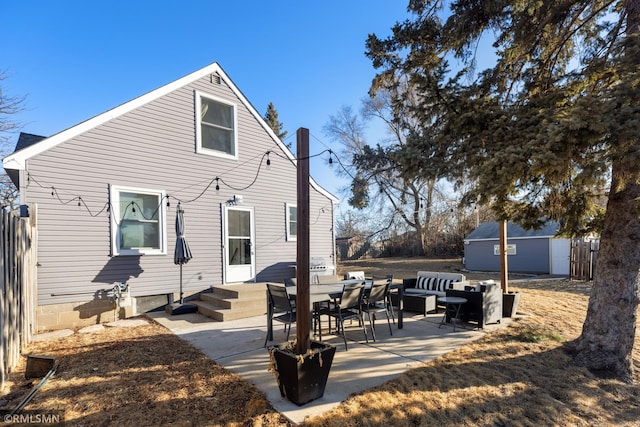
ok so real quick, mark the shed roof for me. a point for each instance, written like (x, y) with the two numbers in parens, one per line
(491, 230)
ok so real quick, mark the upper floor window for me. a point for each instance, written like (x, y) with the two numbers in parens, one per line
(291, 222)
(216, 126)
(137, 221)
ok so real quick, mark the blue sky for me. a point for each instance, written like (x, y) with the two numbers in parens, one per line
(76, 59)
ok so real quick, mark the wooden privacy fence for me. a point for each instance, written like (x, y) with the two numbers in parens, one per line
(584, 257)
(18, 293)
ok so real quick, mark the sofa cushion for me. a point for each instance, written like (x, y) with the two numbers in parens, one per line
(456, 277)
(354, 275)
(444, 284)
(427, 274)
(482, 286)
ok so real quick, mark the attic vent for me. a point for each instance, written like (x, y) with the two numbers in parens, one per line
(215, 79)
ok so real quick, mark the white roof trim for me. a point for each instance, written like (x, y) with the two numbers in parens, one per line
(18, 160)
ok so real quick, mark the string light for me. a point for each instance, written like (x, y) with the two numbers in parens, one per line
(108, 207)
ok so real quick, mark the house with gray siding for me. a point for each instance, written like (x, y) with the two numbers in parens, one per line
(104, 195)
(528, 251)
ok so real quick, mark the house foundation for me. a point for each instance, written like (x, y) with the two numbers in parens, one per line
(79, 314)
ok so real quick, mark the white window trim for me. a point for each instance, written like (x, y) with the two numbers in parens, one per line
(199, 148)
(290, 237)
(114, 197)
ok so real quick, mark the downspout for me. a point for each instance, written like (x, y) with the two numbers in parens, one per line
(333, 238)
(23, 180)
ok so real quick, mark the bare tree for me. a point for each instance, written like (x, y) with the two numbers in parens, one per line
(388, 179)
(9, 106)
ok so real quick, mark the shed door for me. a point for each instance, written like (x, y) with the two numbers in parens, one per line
(560, 254)
(239, 254)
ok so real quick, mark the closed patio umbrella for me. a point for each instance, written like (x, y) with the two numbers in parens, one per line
(182, 253)
(181, 256)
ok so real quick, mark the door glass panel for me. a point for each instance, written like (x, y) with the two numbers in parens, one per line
(239, 224)
(239, 230)
(239, 251)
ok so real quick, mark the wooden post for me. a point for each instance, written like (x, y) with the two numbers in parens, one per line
(303, 318)
(504, 274)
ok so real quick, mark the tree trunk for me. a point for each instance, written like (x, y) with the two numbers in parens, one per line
(608, 333)
(428, 214)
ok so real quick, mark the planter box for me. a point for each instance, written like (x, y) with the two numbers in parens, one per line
(510, 304)
(302, 381)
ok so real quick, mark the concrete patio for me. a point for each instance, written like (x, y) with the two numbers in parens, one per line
(238, 346)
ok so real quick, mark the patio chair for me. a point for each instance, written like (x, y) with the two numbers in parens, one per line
(349, 307)
(280, 309)
(291, 283)
(376, 302)
(389, 277)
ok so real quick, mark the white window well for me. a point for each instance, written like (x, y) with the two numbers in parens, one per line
(138, 221)
(291, 222)
(216, 131)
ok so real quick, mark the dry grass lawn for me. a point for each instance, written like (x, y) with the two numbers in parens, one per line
(517, 376)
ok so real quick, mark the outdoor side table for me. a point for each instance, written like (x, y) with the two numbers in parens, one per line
(452, 305)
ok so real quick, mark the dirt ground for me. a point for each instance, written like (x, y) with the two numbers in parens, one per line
(520, 375)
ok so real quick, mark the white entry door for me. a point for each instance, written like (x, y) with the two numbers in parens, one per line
(239, 254)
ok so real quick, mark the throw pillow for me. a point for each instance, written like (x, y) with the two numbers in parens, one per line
(422, 283)
(444, 284)
(432, 284)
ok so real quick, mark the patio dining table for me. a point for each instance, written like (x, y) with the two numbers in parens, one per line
(327, 292)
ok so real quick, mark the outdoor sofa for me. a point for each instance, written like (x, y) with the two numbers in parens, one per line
(421, 292)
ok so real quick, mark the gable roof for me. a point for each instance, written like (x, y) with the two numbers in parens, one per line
(31, 146)
(24, 140)
(27, 139)
(491, 230)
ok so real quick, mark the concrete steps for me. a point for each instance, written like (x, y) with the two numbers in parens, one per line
(234, 301)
